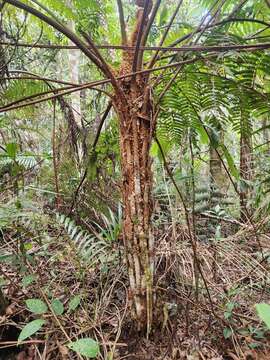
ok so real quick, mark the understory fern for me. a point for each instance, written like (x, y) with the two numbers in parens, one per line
(212, 202)
(90, 248)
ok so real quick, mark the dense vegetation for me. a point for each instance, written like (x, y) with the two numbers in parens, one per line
(134, 176)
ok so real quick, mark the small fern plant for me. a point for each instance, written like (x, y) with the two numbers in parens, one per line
(93, 248)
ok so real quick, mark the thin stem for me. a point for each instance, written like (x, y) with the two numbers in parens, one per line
(122, 22)
(105, 66)
(147, 30)
(153, 59)
(192, 48)
(70, 89)
(142, 20)
(55, 165)
(106, 113)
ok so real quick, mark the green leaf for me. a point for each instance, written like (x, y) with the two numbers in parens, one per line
(11, 149)
(30, 329)
(92, 166)
(227, 314)
(28, 246)
(86, 347)
(74, 303)
(37, 306)
(28, 279)
(230, 162)
(57, 306)
(2, 281)
(230, 306)
(163, 15)
(263, 311)
(203, 134)
(227, 332)
(7, 258)
(155, 150)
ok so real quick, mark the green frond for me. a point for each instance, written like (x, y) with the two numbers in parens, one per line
(90, 248)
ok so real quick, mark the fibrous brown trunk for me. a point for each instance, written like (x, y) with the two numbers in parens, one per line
(136, 130)
(134, 108)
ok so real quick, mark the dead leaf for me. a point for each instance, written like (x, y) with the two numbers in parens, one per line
(11, 309)
(63, 350)
(22, 356)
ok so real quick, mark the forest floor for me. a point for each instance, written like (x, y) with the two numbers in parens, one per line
(210, 315)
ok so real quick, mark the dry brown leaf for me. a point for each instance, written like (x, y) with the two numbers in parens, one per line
(11, 309)
(63, 350)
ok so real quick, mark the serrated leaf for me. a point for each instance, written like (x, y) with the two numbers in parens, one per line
(30, 329)
(36, 306)
(86, 347)
(28, 280)
(263, 311)
(57, 306)
(74, 303)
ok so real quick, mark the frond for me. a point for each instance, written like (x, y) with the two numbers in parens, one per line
(90, 248)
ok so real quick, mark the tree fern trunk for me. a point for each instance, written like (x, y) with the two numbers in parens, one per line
(135, 117)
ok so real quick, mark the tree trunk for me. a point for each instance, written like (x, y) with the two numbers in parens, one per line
(245, 174)
(136, 127)
(134, 107)
(74, 56)
(74, 68)
(218, 178)
(3, 60)
(216, 173)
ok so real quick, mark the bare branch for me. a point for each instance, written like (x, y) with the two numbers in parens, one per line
(147, 30)
(123, 47)
(70, 89)
(33, 76)
(220, 23)
(106, 67)
(153, 59)
(122, 22)
(102, 120)
(144, 16)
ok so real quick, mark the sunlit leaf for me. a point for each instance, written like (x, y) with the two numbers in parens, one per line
(263, 311)
(36, 306)
(86, 347)
(31, 328)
